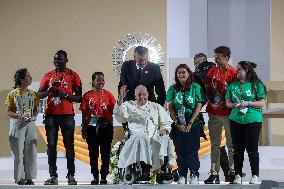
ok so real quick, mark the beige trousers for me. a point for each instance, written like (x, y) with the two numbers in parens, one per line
(25, 153)
(215, 126)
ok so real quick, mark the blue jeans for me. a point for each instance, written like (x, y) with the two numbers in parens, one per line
(187, 146)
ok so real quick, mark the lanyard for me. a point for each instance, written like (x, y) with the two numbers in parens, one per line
(214, 84)
(184, 100)
(92, 104)
(54, 76)
(241, 91)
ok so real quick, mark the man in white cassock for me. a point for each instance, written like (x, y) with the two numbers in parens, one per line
(149, 125)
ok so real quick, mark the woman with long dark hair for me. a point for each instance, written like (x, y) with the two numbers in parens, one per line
(21, 106)
(246, 97)
(185, 99)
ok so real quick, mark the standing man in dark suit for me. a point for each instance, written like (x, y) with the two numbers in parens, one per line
(142, 72)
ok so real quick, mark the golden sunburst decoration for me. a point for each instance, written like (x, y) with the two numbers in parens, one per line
(156, 53)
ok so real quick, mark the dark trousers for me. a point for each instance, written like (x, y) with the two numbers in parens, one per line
(99, 139)
(187, 146)
(224, 162)
(66, 124)
(245, 137)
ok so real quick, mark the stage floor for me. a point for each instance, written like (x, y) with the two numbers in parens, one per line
(271, 168)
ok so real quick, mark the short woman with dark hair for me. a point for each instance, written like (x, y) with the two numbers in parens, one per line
(21, 106)
(246, 97)
(97, 125)
(185, 99)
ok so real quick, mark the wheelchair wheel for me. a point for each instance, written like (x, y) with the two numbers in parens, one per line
(129, 177)
(163, 178)
(175, 175)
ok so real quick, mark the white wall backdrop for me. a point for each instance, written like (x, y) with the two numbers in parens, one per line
(202, 25)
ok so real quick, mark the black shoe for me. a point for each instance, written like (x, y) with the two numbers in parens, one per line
(229, 177)
(103, 181)
(95, 182)
(213, 179)
(21, 182)
(29, 182)
(51, 181)
(71, 180)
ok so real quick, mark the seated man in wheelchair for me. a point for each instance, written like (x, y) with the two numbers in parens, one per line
(149, 126)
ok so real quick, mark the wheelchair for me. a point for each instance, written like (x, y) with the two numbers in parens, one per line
(139, 172)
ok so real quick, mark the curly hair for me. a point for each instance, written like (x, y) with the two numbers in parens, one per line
(19, 75)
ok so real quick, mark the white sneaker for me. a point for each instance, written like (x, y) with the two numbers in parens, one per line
(254, 180)
(181, 180)
(238, 179)
(193, 179)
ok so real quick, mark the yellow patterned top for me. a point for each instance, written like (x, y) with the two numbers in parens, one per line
(19, 101)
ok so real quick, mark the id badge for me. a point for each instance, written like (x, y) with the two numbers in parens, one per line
(217, 98)
(243, 110)
(56, 101)
(93, 121)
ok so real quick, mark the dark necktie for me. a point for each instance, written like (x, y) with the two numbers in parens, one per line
(139, 75)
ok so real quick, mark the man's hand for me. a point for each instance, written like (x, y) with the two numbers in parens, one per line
(123, 91)
(54, 87)
(60, 93)
(122, 94)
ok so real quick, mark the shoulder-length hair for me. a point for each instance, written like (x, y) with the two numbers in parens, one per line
(189, 80)
(19, 75)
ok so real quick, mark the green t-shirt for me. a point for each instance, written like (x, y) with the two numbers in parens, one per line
(193, 96)
(234, 94)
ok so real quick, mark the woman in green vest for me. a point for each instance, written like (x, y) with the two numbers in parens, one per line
(185, 99)
(246, 97)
